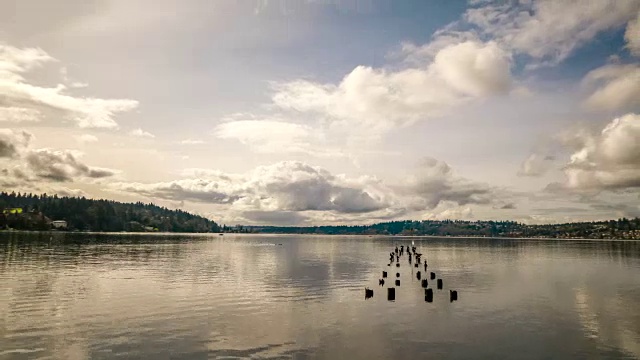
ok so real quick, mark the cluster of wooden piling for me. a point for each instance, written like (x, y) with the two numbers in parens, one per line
(412, 253)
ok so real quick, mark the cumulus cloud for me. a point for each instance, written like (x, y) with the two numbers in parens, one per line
(61, 166)
(198, 190)
(376, 100)
(536, 165)
(28, 102)
(291, 192)
(436, 184)
(284, 186)
(13, 142)
(474, 69)
(296, 186)
(27, 165)
(548, 29)
(141, 133)
(609, 160)
(617, 87)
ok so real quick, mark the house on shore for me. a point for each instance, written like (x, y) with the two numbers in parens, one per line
(59, 224)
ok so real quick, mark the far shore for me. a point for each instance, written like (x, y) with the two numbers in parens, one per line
(298, 234)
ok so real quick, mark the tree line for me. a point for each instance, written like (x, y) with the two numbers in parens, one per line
(622, 228)
(38, 211)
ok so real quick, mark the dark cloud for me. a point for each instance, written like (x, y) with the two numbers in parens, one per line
(61, 166)
(292, 192)
(355, 201)
(286, 186)
(12, 142)
(197, 190)
(28, 166)
(436, 183)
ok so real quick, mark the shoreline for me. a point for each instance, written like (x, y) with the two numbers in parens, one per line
(457, 237)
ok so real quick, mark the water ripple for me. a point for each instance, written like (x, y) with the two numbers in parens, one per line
(245, 297)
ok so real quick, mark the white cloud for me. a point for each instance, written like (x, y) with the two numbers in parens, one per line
(312, 193)
(276, 136)
(14, 61)
(548, 29)
(474, 69)
(18, 114)
(284, 186)
(373, 101)
(141, 133)
(266, 135)
(30, 102)
(419, 55)
(191, 142)
(617, 87)
(86, 138)
(632, 35)
(609, 160)
(205, 174)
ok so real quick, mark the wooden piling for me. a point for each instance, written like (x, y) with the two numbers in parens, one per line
(391, 294)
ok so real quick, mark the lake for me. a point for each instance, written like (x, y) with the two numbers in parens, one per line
(176, 296)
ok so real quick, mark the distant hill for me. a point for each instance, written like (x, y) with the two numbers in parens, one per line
(613, 229)
(42, 212)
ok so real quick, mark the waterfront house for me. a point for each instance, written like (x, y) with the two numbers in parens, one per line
(59, 224)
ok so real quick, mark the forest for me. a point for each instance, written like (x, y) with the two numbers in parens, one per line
(613, 229)
(40, 212)
(37, 212)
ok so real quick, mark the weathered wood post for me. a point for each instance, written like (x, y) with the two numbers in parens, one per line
(391, 294)
(428, 295)
(368, 293)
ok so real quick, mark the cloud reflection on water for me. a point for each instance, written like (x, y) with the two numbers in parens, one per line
(81, 296)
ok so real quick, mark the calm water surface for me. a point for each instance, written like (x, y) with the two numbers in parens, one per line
(92, 296)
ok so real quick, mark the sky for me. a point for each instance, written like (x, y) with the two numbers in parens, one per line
(313, 112)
